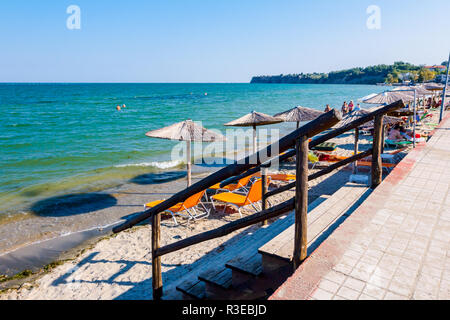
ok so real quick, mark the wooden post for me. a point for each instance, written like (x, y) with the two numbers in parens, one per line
(355, 164)
(188, 162)
(156, 260)
(264, 191)
(301, 201)
(377, 169)
(384, 138)
(255, 143)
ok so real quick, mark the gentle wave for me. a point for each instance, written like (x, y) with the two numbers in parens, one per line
(156, 164)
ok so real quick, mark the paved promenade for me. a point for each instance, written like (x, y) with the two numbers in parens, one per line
(396, 245)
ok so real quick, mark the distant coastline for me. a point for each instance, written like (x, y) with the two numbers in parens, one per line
(379, 74)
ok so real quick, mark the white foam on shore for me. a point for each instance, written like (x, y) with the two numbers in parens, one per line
(156, 164)
(62, 235)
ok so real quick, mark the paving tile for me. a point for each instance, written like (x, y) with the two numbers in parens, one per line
(336, 277)
(320, 294)
(366, 297)
(354, 284)
(400, 288)
(328, 285)
(374, 291)
(348, 293)
(394, 296)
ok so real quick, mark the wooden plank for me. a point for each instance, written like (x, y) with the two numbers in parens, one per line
(193, 288)
(377, 169)
(315, 210)
(156, 261)
(264, 191)
(301, 201)
(220, 277)
(250, 264)
(319, 219)
(355, 151)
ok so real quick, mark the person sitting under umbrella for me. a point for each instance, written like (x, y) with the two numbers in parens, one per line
(394, 134)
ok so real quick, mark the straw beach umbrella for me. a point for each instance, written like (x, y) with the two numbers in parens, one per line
(388, 97)
(186, 131)
(254, 119)
(421, 91)
(298, 114)
(431, 86)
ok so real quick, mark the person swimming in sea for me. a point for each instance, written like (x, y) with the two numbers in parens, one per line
(118, 108)
(124, 106)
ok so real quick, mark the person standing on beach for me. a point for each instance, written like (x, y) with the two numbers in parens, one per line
(344, 108)
(350, 106)
(327, 108)
(358, 107)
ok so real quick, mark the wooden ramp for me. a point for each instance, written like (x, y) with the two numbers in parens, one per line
(261, 261)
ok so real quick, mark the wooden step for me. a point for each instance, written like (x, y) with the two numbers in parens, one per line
(220, 277)
(248, 261)
(193, 289)
(215, 282)
(321, 222)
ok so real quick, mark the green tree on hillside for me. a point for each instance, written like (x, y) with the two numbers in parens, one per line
(426, 75)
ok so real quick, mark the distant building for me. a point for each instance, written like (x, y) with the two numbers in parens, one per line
(405, 78)
(436, 68)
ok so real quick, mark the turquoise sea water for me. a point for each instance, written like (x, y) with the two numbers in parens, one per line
(62, 138)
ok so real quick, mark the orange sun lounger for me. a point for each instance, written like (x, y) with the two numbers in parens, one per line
(187, 205)
(238, 201)
(278, 176)
(241, 184)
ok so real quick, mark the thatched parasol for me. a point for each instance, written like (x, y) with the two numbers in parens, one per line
(254, 119)
(421, 91)
(298, 114)
(432, 86)
(388, 97)
(187, 131)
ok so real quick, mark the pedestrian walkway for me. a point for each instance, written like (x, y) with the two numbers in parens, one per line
(396, 245)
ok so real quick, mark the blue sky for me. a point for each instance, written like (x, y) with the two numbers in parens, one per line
(214, 40)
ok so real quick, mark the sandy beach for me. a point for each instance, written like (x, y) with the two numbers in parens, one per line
(119, 266)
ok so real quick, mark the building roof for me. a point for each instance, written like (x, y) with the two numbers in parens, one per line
(435, 67)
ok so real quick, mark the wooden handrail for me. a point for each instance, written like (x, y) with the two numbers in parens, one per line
(325, 137)
(311, 129)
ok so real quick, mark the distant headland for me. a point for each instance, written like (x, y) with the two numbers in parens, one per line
(395, 73)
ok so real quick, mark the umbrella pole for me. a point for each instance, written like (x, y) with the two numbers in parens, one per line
(188, 162)
(254, 140)
(355, 164)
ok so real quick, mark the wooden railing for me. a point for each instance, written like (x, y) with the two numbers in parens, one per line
(252, 164)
